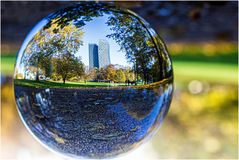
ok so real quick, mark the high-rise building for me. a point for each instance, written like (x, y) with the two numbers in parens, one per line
(93, 56)
(104, 53)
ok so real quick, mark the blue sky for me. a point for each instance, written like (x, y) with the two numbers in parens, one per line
(95, 30)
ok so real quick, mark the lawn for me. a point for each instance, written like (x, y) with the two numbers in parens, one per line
(213, 72)
(59, 84)
(7, 64)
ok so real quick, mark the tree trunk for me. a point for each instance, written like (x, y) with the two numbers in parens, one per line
(37, 74)
(145, 78)
(64, 80)
(136, 71)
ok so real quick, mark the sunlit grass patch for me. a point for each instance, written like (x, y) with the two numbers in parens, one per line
(213, 72)
(7, 64)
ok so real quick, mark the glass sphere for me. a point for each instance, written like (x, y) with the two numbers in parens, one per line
(93, 81)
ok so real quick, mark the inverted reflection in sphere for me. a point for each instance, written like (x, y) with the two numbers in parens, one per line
(93, 81)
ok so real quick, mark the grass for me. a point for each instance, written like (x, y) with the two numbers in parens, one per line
(212, 72)
(7, 64)
(54, 84)
(230, 58)
(95, 84)
(211, 52)
(51, 84)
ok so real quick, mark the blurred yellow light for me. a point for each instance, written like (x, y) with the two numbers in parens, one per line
(195, 87)
(211, 144)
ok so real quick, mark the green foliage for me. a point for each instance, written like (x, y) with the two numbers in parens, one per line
(47, 45)
(140, 44)
(129, 75)
(74, 79)
(84, 13)
(68, 66)
(110, 72)
(90, 75)
(120, 76)
(101, 74)
(55, 77)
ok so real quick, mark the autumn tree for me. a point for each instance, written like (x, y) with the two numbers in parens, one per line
(120, 76)
(40, 50)
(52, 42)
(90, 75)
(110, 72)
(101, 74)
(129, 75)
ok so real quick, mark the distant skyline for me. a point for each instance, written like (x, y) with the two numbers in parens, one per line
(93, 32)
(99, 55)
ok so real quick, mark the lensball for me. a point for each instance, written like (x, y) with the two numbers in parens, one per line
(93, 81)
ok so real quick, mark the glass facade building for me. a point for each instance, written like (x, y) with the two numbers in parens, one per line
(104, 53)
(93, 56)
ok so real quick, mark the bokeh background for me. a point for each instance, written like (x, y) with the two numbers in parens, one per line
(202, 39)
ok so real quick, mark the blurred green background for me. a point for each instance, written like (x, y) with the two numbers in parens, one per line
(202, 40)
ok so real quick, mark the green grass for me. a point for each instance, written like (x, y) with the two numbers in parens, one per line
(229, 58)
(7, 64)
(212, 72)
(51, 84)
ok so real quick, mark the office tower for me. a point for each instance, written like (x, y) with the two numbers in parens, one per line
(93, 56)
(104, 53)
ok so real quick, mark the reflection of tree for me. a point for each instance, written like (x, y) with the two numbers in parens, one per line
(129, 75)
(39, 51)
(47, 44)
(143, 47)
(90, 75)
(67, 65)
(134, 37)
(110, 72)
(101, 74)
(78, 13)
(120, 76)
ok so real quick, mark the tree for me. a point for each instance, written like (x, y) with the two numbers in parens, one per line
(133, 36)
(39, 52)
(91, 74)
(110, 72)
(80, 13)
(48, 43)
(101, 74)
(120, 76)
(67, 66)
(129, 75)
